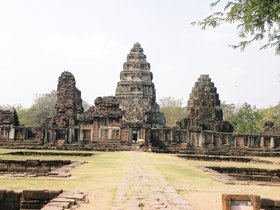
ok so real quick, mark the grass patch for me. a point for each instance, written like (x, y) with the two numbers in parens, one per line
(99, 176)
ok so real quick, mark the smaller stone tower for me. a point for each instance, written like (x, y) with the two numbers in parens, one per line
(69, 102)
(204, 108)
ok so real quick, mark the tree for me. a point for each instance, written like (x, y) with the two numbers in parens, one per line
(228, 110)
(172, 109)
(42, 107)
(246, 119)
(271, 114)
(256, 20)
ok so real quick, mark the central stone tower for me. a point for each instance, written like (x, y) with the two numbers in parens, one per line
(136, 90)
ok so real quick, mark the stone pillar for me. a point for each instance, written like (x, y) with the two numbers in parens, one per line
(12, 133)
(234, 141)
(200, 139)
(262, 142)
(46, 136)
(71, 135)
(110, 133)
(171, 135)
(130, 136)
(213, 139)
(272, 142)
(190, 138)
(82, 135)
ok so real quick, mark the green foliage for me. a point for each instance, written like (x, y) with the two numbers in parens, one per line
(256, 20)
(43, 107)
(271, 114)
(228, 110)
(172, 109)
(245, 118)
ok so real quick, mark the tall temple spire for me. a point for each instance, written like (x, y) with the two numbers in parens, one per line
(136, 78)
(136, 90)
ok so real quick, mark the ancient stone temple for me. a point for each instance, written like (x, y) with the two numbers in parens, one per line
(132, 112)
(136, 91)
(133, 116)
(204, 108)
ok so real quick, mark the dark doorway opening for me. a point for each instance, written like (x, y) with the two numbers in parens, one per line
(134, 135)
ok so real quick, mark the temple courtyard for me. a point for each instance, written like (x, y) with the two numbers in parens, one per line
(138, 180)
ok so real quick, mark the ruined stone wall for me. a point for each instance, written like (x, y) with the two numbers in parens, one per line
(106, 108)
(69, 102)
(270, 128)
(104, 117)
(26, 199)
(8, 118)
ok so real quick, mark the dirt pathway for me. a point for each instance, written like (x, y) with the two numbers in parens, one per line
(143, 187)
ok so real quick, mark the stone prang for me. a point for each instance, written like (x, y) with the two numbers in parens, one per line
(136, 90)
(69, 102)
(9, 117)
(204, 108)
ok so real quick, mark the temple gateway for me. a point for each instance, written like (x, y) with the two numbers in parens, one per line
(131, 116)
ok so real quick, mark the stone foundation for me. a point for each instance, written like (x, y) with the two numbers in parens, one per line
(33, 168)
(221, 158)
(49, 153)
(250, 174)
(40, 199)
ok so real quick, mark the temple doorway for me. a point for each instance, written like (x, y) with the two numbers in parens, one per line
(134, 135)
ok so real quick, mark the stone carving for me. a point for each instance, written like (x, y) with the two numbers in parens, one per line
(135, 111)
(204, 108)
(69, 102)
(136, 90)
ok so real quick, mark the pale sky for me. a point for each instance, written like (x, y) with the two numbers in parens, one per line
(39, 39)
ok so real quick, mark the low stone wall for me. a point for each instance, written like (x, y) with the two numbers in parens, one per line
(49, 153)
(216, 158)
(66, 200)
(40, 199)
(26, 199)
(250, 174)
(221, 158)
(31, 166)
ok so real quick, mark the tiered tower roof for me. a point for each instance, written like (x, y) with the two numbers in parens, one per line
(204, 106)
(136, 90)
(136, 78)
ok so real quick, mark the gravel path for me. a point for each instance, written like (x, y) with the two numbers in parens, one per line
(143, 187)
